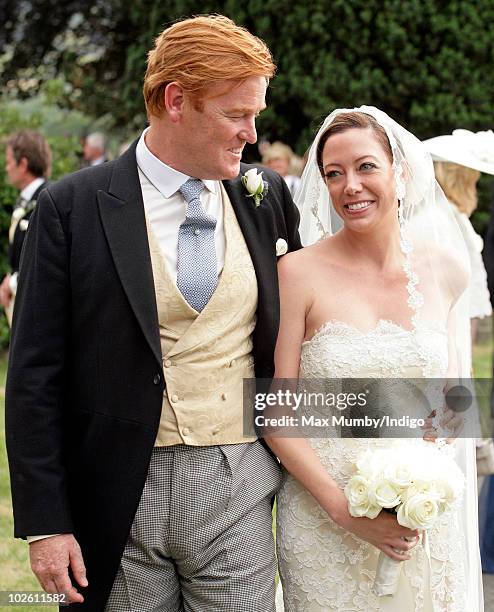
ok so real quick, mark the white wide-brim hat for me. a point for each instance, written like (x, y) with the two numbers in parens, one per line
(471, 149)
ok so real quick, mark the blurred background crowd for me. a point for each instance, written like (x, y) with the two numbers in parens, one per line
(70, 81)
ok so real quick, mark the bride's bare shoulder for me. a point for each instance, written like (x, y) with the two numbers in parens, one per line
(298, 265)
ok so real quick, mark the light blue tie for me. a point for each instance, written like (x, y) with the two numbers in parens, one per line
(197, 274)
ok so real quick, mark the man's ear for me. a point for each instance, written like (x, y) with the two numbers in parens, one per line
(23, 164)
(174, 99)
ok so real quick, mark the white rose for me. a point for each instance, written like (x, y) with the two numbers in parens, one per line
(418, 487)
(445, 493)
(281, 247)
(357, 493)
(370, 465)
(398, 475)
(365, 510)
(254, 182)
(23, 224)
(370, 511)
(357, 490)
(418, 512)
(18, 213)
(386, 494)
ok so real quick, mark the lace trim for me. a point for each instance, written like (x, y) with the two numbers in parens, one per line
(315, 211)
(415, 298)
(339, 327)
(387, 350)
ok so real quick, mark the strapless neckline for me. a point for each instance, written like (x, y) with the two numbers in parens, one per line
(387, 350)
(382, 326)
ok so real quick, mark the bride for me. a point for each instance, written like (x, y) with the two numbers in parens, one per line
(382, 297)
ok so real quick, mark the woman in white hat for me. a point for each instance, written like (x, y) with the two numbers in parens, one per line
(459, 159)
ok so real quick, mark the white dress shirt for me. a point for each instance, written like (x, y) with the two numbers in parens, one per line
(27, 195)
(29, 190)
(98, 161)
(165, 207)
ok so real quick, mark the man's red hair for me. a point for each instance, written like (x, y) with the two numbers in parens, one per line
(199, 52)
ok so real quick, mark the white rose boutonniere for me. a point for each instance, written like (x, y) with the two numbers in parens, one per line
(23, 224)
(18, 213)
(255, 185)
(281, 247)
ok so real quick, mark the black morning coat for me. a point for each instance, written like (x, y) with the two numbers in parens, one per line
(85, 381)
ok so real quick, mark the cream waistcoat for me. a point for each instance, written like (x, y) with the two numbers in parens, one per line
(206, 355)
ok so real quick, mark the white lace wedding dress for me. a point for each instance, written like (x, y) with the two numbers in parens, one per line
(324, 567)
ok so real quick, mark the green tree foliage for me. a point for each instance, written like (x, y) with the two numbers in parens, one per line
(429, 63)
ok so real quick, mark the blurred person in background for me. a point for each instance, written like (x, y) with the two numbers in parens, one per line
(472, 154)
(488, 252)
(28, 165)
(124, 146)
(486, 523)
(95, 149)
(459, 159)
(486, 501)
(280, 157)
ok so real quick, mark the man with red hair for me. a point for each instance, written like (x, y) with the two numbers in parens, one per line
(153, 293)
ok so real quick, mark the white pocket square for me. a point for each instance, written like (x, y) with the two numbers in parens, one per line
(281, 247)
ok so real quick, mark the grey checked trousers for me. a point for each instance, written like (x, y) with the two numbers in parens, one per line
(201, 540)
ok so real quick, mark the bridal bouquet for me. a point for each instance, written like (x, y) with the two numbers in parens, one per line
(418, 483)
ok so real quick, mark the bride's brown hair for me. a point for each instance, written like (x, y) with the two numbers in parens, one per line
(349, 121)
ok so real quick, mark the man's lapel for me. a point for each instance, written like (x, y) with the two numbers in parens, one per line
(124, 223)
(257, 227)
(122, 214)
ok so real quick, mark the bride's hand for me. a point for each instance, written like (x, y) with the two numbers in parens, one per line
(430, 432)
(450, 420)
(453, 422)
(383, 532)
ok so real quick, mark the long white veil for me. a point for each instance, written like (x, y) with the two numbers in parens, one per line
(437, 269)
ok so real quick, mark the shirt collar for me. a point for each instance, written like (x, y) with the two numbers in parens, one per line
(167, 180)
(29, 190)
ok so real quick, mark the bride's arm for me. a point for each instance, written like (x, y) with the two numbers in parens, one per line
(296, 454)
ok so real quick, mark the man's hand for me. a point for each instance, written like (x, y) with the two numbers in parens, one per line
(50, 560)
(5, 292)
